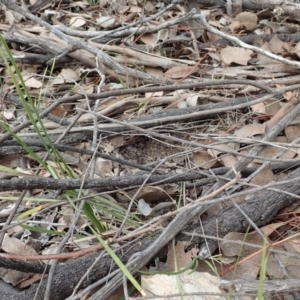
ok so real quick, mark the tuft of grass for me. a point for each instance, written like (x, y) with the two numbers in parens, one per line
(101, 204)
(119, 263)
(263, 272)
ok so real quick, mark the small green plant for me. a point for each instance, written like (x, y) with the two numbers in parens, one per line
(93, 2)
(63, 169)
(119, 263)
(263, 272)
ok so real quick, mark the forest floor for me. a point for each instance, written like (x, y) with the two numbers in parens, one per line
(127, 123)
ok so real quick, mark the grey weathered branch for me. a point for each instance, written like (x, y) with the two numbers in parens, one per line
(261, 209)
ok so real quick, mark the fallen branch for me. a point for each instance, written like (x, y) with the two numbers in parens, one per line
(261, 209)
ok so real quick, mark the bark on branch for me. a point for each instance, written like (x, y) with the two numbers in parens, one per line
(261, 209)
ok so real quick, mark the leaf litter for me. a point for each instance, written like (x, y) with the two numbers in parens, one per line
(93, 48)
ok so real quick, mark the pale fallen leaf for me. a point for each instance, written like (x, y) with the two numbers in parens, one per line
(262, 59)
(77, 22)
(182, 104)
(8, 115)
(247, 20)
(103, 167)
(235, 26)
(165, 285)
(30, 281)
(65, 76)
(203, 160)
(259, 108)
(287, 95)
(153, 193)
(82, 4)
(154, 94)
(230, 248)
(13, 277)
(247, 270)
(192, 101)
(277, 46)
(290, 263)
(250, 130)
(16, 246)
(149, 39)
(105, 21)
(220, 149)
(144, 208)
(178, 256)
(212, 37)
(296, 49)
(33, 83)
(180, 71)
(264, 177)
(235, 55)
(66, 219)
(136, 9)
(114, 142)
(271, 151)
(154, 71)
(269, 107)
(149, 7)
(292, 133)
(228, 160)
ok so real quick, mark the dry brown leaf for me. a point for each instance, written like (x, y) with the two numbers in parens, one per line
(103, 167)
(286, 108)
(154, 71)
(33, 83)
(234, 26)
(271, 151)
(270, 228)
(26, 283)
(250, 267)
(180, 71)
(251, 130)
(228, 160)
(12, 276)
(221, 149)
(292, 133)
(269, 107)
(77, 22)
(288, 95)
(290, 262)
(234, 249)
(264, 177)
(150, 39)
(115, 142)
(179, 255)
(190, 282)
(212, 37)
(235, 55)
(296, 49)
(278, 46)
(16, 246)
(203, 160)
(153, 193)
(66, 76)
(259, 108)
(66, 219)
(106, 21)
(247, 20)
(262, 59)
(215, 56)
(247, 270)
(58, 111)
